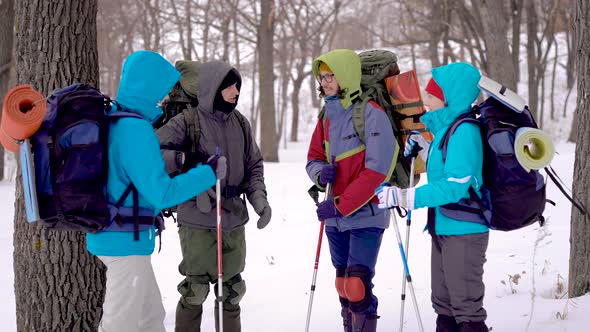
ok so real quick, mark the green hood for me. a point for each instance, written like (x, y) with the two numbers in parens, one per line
(458, 82)
(346, 66)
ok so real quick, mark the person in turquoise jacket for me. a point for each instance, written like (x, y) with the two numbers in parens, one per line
(458, 245)
(132, 300)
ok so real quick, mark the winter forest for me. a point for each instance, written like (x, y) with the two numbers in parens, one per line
(537, 278)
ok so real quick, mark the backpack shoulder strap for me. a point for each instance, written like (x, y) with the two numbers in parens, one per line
(358, 117)
(191, 120)
(561, 186)
(123, 114)
(120, 112)
(465, 118)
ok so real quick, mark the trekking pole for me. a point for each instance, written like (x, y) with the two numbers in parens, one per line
(407, 246)
(317, 260)
(219, 250)
(408, 277)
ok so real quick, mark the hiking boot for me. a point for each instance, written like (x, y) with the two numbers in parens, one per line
(346, 319)
(231, 319)
(473, 327)
(446, 323)
(188, 318)
(364, 322)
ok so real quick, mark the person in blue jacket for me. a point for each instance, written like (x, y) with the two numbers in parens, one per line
(458, 246)
(132, 300)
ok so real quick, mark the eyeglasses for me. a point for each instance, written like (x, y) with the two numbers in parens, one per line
(327, 77)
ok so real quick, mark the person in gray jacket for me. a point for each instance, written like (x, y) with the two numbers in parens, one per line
(208, 94)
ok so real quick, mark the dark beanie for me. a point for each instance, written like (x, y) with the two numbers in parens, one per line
(219, 103)
(230, 79)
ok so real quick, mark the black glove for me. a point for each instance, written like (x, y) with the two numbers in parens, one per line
(219, 165)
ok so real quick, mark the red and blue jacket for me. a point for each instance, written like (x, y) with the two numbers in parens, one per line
(361, 167)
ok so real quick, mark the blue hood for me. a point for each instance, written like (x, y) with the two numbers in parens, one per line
(458, 82)
(147, 78)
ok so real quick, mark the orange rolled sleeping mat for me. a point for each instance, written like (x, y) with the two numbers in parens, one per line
(23, 112)
(404, 93)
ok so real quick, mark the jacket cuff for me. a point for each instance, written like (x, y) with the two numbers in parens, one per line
(317, 183)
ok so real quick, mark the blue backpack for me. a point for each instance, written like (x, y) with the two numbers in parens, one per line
(70, 155)
(512, 198)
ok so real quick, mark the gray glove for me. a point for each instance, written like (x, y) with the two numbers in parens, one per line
(205, 200)
(219, 165)
(262, 208)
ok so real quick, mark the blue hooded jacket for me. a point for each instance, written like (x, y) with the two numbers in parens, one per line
(449, 182)
(135, 157)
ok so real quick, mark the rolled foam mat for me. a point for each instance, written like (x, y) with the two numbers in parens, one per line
(23, 112)
(534, 148)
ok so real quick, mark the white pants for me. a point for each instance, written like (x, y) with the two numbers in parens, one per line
(132, 300)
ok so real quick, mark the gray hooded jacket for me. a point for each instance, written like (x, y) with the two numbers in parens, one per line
(234, 137)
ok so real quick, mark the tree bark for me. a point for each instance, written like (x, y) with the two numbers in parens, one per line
(571, 56)
(316, 50)
(6, 42)
(500, 63)
(434, 31)
(553, 76)
(532, 59)
(574, 131)
(59, 286)
(579, 271)
(269, 143)
(297, 83)
(516, 10)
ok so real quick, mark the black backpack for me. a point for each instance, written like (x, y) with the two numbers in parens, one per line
(512, 198)
(70, 153)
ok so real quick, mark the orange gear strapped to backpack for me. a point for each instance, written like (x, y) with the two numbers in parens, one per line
(23, 112)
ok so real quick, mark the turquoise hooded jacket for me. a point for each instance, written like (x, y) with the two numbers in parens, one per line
(449, 182)
(135, 157)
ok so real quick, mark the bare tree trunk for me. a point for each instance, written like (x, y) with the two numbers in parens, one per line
(541, 113)
(297, 83)
(570, 67)
(185, 46)
(579, 272)
(205, 30)
(500, 62)
(285, 77)
(532, 64)
(269, 144)
(516, 10)
(434, 31)
(316, 50)
(253, 107)
(553, 74)
(448, 54)
(225, 37)
(6, 40)
(59, 286)
(575, 124)
(236, 40)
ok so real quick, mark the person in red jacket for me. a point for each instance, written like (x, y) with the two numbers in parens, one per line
(354, 223)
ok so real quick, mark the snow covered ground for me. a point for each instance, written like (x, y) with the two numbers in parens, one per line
(525, 275)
